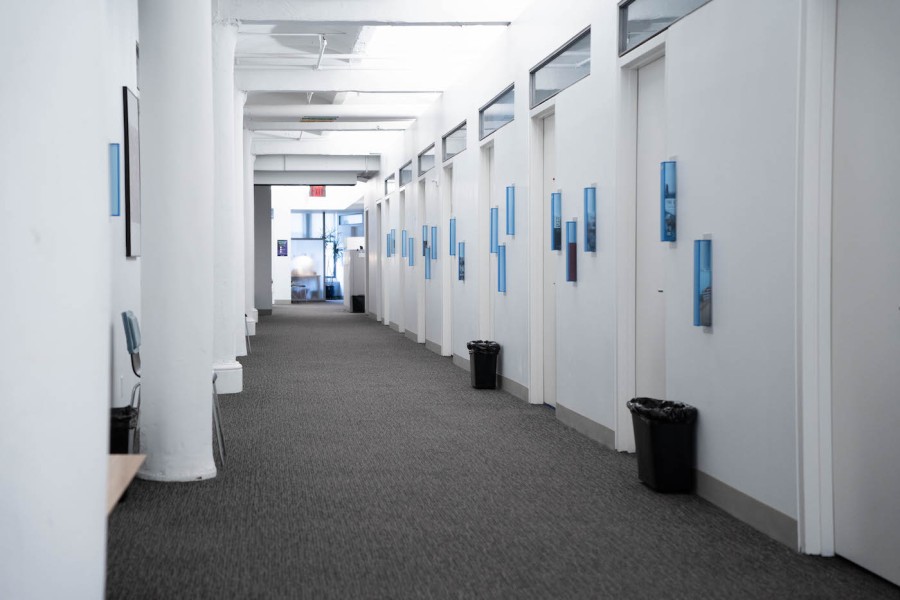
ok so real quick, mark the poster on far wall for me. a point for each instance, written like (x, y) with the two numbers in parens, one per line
(132, 174)
(282, 247)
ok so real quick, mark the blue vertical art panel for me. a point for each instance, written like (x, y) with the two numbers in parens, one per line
(411, 253)
(393, 242)
(115, 202)
(511, 210)
(495, 226)
(571, 251)
(452, 237)
(501, 268)
(424, 240)
(556, 221)
(387, 244)
(462, 261)
(590, 219)
(703, 283)
(403, 243)
(428, 265)
(668, 202)
(434, 243)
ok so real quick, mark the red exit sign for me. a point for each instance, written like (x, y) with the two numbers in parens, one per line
(317, 191)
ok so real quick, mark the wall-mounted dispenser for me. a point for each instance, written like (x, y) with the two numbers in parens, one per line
(556, 221)
(668, 202)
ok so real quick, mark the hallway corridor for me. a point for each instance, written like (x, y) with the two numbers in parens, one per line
(361, 465)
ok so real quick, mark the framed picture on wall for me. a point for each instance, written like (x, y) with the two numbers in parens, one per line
(132, 174)
(282, 248)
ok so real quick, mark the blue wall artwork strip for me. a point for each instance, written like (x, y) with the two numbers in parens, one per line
(403, 243)
(495, 225)
(393, 242)
(556, 221)
(452, 237)
(411, 253)
(703, 283)
(424, 240)
(462, 261)
(668, 201)
(590, 219)
(511, 210)
(434, 243)
(428, 265)
(387, 244)
(115, 203)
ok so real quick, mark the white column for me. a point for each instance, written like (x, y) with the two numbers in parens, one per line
(177, 202)
(54, 304)
(249, 235)
(225, 323)
(239, 246)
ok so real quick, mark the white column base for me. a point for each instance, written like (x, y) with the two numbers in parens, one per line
(230, 377)
(251, 326)
(253, 314)
(176, 476)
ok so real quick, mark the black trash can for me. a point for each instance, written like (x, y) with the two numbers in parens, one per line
(359, 303)
(122, 426)
(483, 363)
(664, 439)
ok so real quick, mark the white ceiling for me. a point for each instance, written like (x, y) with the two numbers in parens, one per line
(343, 78)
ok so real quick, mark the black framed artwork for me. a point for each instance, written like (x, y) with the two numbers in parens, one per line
(132, 174)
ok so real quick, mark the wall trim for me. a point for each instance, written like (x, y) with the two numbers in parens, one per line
(762, 517)
(512, 387)
(585, 426)
(815, 152)
(411, 335)
(462, 363)
(395, 326)
(265, 312)
(436, 348)
(230, 377)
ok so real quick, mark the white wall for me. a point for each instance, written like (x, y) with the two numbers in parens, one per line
(263, 242)
(121, 70)
(735, 143)
(55, 305)
(731, 105)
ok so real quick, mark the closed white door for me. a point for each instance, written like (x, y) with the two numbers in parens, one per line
(650, 303)
(866, 287)
(552, 262)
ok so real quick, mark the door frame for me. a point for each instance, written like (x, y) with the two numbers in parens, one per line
(626, 234)
(815, 155)
(537, 208)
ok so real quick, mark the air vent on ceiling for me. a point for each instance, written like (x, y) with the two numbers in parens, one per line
(318, 119)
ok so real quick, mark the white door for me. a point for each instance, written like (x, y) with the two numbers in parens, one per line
(650, 304)
(378, 248)
(401, 267)
(866, 287)
(552, 261)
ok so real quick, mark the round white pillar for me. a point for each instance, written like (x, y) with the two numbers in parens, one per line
(240, 307)
(249, 234)
(226, 327)
(176, 281)
(54, 307)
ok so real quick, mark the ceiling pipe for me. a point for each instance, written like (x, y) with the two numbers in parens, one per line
(322, 44)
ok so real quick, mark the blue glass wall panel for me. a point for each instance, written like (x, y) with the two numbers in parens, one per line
(452, 237)
(510, 210)
(556, 221)
(501, 268)
(115, 205)
(703, 283)
(393, 242)
(387, 244)
(590, 219)
(403, 243)
(667, 202)
(434, 243)
(495, 225)
(428, 265)
(411, 254)
(424, 240)
(462, 261)
(571, 251)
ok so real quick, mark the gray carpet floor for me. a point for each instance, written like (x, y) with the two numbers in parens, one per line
(361, 465)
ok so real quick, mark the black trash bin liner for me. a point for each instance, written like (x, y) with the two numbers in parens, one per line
(358, 303)
(664, 440)
(483, 363)
(123, 423)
